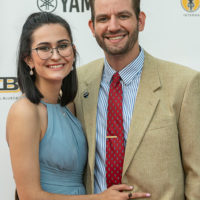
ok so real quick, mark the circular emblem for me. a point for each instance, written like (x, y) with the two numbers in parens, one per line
(47, 5)
(190, 5)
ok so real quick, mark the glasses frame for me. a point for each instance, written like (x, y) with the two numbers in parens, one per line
(52, 51)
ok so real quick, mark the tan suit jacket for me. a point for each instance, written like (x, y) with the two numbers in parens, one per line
(162, 153)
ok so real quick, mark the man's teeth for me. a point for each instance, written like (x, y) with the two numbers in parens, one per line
(116, 38)
(55, 66)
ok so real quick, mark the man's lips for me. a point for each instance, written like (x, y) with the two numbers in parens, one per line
(115, 37)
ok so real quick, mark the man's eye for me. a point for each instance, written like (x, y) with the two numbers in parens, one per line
(123, 16)
(44, 48)
(102, 19)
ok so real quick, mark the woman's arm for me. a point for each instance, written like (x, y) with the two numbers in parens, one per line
(23, 134)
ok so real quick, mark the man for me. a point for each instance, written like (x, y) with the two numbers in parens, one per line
(161, 109)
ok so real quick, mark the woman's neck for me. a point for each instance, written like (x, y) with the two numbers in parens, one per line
(49, 90)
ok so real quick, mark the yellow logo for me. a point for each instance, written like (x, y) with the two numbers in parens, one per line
(9, 85)
(190, 5)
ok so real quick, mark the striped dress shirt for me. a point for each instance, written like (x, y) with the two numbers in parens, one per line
(130, 78)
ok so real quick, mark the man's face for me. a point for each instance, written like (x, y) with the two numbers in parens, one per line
(115, 26)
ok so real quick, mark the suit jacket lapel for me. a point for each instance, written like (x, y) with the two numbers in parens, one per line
(145, 106)
(91, 86)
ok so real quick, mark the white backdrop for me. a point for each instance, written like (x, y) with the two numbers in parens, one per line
(172, 33)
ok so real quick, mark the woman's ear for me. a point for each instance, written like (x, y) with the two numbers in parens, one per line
(74, 50)
(74, 47)
(29, 61)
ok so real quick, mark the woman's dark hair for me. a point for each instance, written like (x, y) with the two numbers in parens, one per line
(16, 195)
(25, 80)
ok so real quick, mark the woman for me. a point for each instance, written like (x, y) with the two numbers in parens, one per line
(47, 146)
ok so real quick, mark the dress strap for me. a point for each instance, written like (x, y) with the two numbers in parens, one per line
(43, 102)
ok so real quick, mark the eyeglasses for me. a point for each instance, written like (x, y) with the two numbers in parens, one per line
(45, 52)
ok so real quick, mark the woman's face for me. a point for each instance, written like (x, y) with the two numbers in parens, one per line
(51, 65)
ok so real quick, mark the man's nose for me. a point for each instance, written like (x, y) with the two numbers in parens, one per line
(114, 24)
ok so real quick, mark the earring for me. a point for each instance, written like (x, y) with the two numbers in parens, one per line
(73, 64)
(31, 72)
(60, 93)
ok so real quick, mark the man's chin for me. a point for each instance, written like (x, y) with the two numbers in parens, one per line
(115, 51)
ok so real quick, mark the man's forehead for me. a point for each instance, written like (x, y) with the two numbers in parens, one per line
(112, 6)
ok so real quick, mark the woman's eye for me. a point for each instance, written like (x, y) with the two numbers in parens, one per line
(63, 46)
(44, 48)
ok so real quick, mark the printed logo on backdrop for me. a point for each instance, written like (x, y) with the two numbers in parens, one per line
(67, 5)
(191, 7)
(47, 5)
(9, 89)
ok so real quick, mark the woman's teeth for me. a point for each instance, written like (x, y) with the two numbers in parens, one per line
(55, 66)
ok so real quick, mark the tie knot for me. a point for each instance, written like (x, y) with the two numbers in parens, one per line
(116, 77)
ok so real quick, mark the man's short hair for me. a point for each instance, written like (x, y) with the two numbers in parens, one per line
(135, 4)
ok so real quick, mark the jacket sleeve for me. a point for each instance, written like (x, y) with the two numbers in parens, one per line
(189, 133)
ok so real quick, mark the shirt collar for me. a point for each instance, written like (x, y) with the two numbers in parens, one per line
(129, 72)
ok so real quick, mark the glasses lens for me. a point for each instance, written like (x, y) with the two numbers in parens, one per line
(65, 49)
(44, 52)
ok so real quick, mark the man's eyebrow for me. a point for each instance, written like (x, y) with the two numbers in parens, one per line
(124, 12)
(101, 15)
(119, 13)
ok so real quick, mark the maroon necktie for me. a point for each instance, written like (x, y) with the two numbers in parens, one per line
(115, 133)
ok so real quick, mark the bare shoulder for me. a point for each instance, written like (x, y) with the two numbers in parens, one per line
(23, 108)
(23, 117)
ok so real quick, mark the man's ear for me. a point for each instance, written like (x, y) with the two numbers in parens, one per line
(29, 61)
(141, 21)
(91, 25)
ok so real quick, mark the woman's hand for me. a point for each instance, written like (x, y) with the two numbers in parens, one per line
(114, 193)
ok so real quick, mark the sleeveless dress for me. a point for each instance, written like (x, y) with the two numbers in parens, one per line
(62, 153)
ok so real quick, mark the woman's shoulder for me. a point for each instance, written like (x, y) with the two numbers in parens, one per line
(24, 107)
(24, 112)
(23, 120)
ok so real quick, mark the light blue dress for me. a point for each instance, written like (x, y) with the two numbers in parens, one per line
(62, 153)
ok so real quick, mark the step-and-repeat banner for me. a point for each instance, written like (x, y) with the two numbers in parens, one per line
(172, 33)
